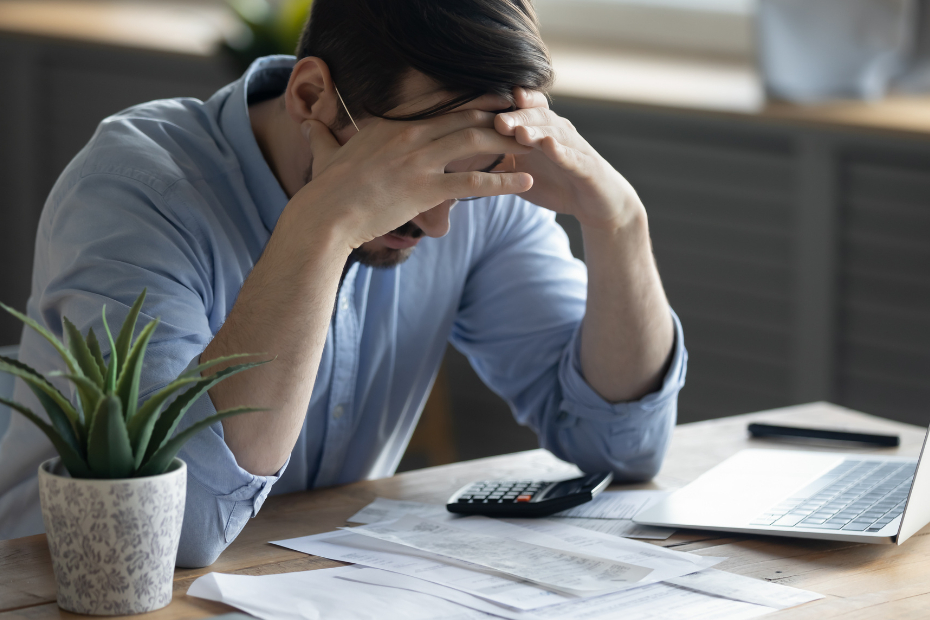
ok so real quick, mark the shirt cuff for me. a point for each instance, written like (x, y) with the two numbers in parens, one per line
(212, 464)
(580, 400)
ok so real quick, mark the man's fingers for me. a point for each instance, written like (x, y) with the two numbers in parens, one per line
(533, 135)
(529, 98)
(323, 143)
(469, 184)
(470, 142)
(439, 126)
(506, 122)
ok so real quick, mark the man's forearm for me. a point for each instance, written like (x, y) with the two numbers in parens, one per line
(627, 334)
(283, 311)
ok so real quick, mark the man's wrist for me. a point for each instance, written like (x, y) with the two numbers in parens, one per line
(311, 230)
(634, 223)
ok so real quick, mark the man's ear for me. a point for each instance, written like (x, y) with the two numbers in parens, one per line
(310, 93)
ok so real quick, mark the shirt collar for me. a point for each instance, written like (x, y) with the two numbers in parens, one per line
(264, 76)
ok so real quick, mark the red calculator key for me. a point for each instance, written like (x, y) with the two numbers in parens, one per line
(524, 498)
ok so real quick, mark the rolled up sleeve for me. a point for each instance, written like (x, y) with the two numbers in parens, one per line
(629, 438)
(221, 496)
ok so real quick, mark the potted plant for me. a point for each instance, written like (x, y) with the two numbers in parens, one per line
(113, 499)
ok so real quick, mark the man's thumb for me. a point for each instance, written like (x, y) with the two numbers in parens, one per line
(323, 143)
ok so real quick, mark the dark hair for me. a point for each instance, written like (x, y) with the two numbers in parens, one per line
(470, 47)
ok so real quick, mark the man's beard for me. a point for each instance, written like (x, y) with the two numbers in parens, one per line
(386, 258)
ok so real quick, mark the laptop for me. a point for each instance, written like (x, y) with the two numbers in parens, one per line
(826, 495)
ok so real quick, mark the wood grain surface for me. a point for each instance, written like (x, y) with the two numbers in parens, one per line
(859, 580)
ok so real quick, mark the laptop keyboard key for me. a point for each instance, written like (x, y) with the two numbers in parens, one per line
(789, 520)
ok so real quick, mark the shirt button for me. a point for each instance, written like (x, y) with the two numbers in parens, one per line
(344, 304)
(338, 410)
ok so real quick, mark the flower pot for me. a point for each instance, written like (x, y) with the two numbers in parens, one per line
(113, 542)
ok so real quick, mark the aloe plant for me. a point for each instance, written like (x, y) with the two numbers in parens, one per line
(105, 433)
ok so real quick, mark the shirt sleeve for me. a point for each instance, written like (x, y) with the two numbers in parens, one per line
(519, 322)
(108, 238)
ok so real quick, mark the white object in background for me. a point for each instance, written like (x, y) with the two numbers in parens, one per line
(383, 509)
(315, 594)
(747, 589)
(625, 528)
(657, 601)
(559, 569)
(812, 50)
(614, 505)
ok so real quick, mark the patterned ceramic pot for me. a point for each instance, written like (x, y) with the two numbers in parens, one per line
(113, 542)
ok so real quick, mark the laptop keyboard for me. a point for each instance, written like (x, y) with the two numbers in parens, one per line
(860, 496)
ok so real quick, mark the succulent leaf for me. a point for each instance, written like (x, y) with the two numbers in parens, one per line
(61, 412)
(161, 458)
(109, 382)
(82, 353)
(73, 462)
(197, 370)
(94, 346)
(141, 425)
(127, 387)
(109, 453)
(53, 340)
(89, 391)
(169, 419)
(124, 340)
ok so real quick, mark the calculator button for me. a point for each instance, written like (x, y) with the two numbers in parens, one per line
(524, 498)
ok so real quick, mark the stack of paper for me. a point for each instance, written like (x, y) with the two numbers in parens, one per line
(611, 512)
(473, 567)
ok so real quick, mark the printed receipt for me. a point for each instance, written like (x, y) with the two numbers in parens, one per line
(557, 569)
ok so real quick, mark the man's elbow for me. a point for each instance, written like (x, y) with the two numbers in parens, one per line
(198, 554)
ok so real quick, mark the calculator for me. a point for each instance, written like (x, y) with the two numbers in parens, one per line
(526, 498)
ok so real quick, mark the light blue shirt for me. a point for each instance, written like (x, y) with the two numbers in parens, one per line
(175, 196)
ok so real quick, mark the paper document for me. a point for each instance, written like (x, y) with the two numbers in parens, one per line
(559, 569)
(738, 587)
(555, 533)
(620, 527)
(653, 602)
(346, 547)
(614, 505)
(383, 509)
(316, 594)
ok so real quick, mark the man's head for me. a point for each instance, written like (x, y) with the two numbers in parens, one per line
(414, 59)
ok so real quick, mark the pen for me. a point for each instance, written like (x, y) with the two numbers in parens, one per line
(772, 430)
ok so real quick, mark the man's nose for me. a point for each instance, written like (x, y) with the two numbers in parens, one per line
(435, 222)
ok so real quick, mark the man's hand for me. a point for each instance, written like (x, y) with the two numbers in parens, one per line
(570, 176)
(391, 171)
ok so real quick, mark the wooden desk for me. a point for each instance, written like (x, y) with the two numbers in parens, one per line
(859, 580)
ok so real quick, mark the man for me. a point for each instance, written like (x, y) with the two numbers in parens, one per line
(308, 212)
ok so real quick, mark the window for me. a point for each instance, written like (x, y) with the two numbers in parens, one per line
(712, 27)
